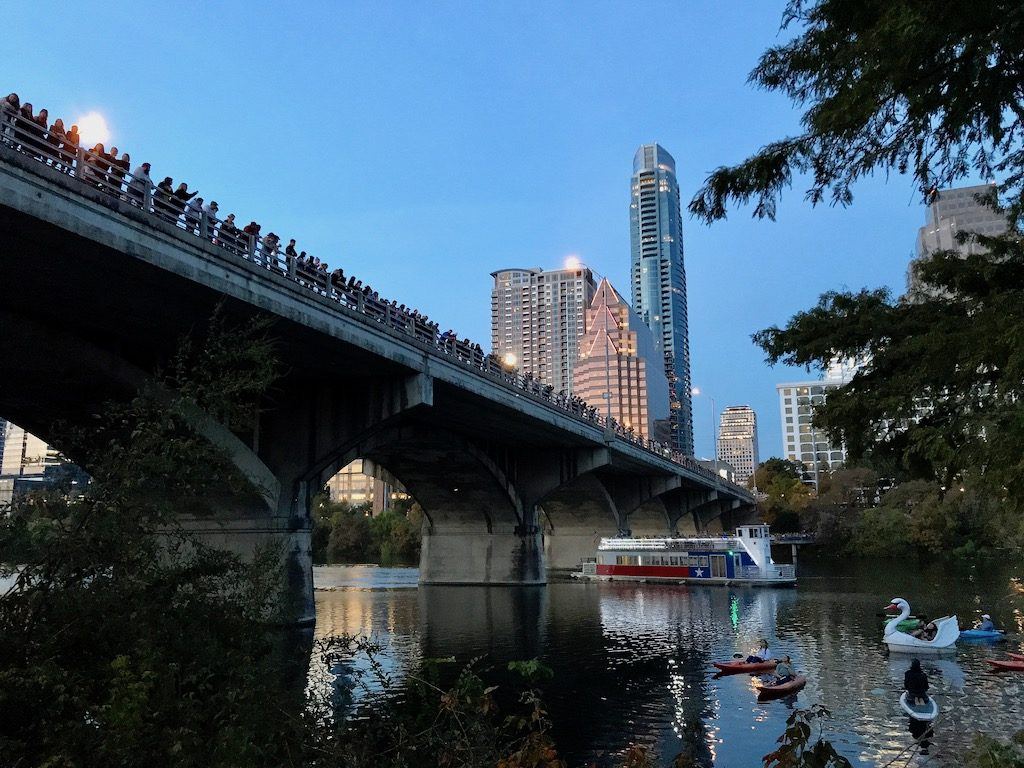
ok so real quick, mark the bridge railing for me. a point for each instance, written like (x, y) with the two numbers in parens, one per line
(104, 174)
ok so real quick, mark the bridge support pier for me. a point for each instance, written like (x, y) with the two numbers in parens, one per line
(471, 556)
(285, 539)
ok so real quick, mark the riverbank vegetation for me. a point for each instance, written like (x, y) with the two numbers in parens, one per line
(858, 513)
(346, 533)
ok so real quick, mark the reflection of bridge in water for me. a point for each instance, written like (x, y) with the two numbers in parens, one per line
(511, 479)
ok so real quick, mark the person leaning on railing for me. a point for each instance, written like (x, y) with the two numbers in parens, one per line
(9, 108)
(140, 185)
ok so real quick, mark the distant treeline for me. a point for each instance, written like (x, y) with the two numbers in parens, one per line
(857, 513)
(346, 533)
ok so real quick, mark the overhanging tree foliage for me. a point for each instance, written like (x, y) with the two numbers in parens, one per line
(935, 90)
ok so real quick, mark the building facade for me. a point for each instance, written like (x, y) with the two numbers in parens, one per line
(658, 277)
(618, 356)
(352, 486)
(737, 441)
(801, 440)
(26, 463)
(951, 211)
(538, 319)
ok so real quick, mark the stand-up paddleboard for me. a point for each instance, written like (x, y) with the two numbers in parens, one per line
(924, 712)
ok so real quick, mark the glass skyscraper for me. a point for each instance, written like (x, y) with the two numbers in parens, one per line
(659, 277)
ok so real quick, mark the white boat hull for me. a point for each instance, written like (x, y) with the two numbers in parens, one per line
(924, 713)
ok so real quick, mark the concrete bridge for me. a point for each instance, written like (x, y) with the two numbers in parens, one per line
(98, 289)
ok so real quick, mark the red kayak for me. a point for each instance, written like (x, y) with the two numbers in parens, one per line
(1017, 656)
(735, 667)
(1009, 666)
(775, 691)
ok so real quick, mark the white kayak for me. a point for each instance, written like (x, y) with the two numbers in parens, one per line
(927, 711)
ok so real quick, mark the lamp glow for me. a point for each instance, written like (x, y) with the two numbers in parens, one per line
(93, 129)
(572, 262)
(510, 360)
(695, 391)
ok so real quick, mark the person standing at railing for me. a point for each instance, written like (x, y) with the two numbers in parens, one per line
(93, 167)
(162, 196)
(9, 109)
(194, 214)
(180, 198)
(228, 233)
(69, 148)
(210, 211)
(54, 138)
(110, 179)
(139, 185)
(251, 234)
(289, 251)
(118, 168)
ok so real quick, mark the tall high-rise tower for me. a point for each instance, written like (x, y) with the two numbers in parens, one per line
(538, 319)
(659, 277)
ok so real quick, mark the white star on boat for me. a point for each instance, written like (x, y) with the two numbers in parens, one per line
(698, 571)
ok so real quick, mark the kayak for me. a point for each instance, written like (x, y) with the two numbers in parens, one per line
(1010, 666)
(735, 667)
(774, 691)
(982, 634)
(927, 711)
(1017, 656)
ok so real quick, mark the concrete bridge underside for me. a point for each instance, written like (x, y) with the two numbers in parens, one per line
(100, 294)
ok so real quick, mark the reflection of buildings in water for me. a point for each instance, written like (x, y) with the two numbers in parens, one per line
(679, 625)
(391, 624)
(465, 621)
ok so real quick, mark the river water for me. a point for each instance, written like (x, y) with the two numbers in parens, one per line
(632, 662)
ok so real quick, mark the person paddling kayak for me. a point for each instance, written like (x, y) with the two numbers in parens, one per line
(915, 681)
(985, 625)
(761, 654)
(783, 671)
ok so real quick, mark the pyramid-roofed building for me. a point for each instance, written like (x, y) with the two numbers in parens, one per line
(618, 355)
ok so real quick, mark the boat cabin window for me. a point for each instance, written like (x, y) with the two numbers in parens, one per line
(675, 561)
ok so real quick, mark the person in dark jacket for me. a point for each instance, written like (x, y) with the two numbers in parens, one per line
(915, 681)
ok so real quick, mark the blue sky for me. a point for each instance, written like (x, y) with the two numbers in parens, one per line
(422, 146)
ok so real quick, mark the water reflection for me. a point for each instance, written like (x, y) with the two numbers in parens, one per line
(633, 661)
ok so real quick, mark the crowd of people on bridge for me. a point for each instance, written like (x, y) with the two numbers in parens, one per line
(110, 171)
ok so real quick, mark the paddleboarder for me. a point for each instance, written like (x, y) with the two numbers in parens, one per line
(915, 681)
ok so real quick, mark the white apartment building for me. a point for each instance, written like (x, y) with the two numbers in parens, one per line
(538, 320)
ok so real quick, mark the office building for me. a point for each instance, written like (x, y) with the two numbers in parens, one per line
(737, 441)
(658, 277)
(352, 486)
(801, 440)
(951, 211)
(538, 319)
(618, 356)
(26, 463)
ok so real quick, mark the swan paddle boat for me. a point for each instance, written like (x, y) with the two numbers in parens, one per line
(929, 710)
(777, 690)
(946, 634)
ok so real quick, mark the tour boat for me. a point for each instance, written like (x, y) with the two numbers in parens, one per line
(745, 558)
(946, 633)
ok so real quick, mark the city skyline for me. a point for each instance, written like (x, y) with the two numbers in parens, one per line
(558, 99)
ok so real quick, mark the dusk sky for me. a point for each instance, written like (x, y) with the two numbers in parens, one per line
(421, 146)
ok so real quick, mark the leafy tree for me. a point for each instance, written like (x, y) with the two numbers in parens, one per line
(904, 86)
(785, 493)
(933, 90)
